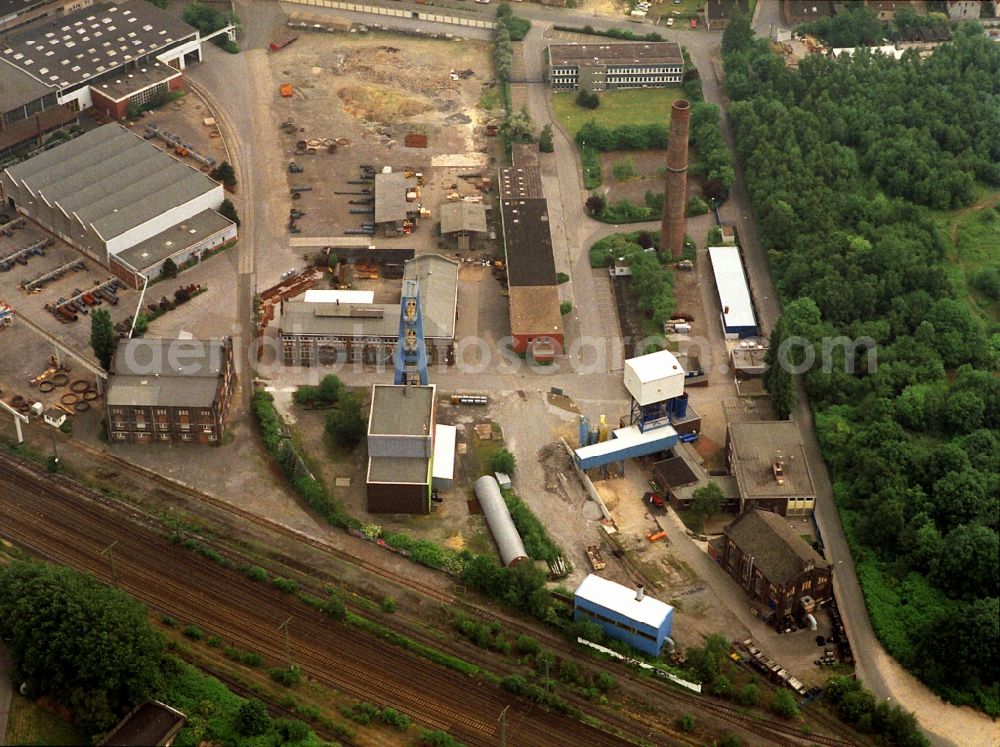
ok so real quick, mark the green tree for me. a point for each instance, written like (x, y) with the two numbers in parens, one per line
(102, 337)
(169, 268)
(545, 144)
(224, 173)
(778, 379)
(587, 99)
(252, 719)
(784, 704)
(228, 210)
(596, 204)
(708, 500)
(518, 127)
(345, 422)
(749, 695)
(330, 389)
(50, 623)
(967, 564)
(502, 461)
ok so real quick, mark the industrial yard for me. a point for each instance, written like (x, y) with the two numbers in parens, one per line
(368, 100)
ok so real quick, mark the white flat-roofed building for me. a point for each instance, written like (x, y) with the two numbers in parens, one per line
(317, 295)
(625, 614)
(733, 291)
(652, 378)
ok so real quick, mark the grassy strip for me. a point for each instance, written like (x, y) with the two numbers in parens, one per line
(213, 712)
(537, 542)
(611, 33)
(591, 160)
(307, 486)
(431, 654)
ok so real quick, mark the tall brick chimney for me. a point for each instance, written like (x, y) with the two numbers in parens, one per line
(675, 192)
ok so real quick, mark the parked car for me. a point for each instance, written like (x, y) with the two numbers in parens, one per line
(670, 21)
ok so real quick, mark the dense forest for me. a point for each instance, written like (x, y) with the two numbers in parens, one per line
(847, 163)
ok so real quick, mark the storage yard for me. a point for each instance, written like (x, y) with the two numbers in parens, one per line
(366, 101)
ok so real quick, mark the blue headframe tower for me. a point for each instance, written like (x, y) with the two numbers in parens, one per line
(411, 350)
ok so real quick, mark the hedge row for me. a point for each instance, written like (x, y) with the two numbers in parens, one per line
(624, 137)
(307, 486)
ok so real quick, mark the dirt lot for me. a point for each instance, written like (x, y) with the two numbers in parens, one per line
(185, 118)
(371, 90)
(75, 335)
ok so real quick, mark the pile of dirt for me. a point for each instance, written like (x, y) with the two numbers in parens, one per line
(387, 66)
(374, 104)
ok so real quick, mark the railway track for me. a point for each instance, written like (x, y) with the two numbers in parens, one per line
(777, 732)
(54, 520)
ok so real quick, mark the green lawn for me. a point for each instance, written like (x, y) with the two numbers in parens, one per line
(973, 238)
(32, 724)
(633, 106)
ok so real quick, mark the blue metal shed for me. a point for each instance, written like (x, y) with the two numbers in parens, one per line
(623, 613)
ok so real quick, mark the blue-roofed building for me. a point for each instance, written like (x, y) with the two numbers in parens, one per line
(624, 614)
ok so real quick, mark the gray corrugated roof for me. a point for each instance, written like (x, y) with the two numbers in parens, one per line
(390, 196)
(498, 518)
(777, 549)
(112, 180)
(18, 88)
(438, 278)
(463, 216)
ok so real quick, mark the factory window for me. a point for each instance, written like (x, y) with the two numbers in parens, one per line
(119, 425)
(807, 585)
(185, 437)
(161, 411)
(164, 436)
(206, 413)
(212, 437)
(119, 436)
(144, 97)
(185, 426)
(182, 413)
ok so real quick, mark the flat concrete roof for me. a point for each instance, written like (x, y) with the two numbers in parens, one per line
(445, 437)
(111, 180)
(18, 88)
(131, 82)
(528, 242)
(401, 410)
(177, 238)
(534, 310)
(731, 284)
(621, 53)
(85, 44)
(399, 470)
(755, 447)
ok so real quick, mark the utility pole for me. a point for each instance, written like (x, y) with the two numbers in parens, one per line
(111, 556)
(288, 643)
(503, 726)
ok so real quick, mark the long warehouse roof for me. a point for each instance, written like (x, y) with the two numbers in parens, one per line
(111, 180)
(621, 599)
(731, 283)
(528, 241)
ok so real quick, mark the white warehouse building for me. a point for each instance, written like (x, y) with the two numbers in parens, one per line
(121, 201)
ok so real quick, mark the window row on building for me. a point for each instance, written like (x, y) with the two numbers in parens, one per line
(599, 618)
